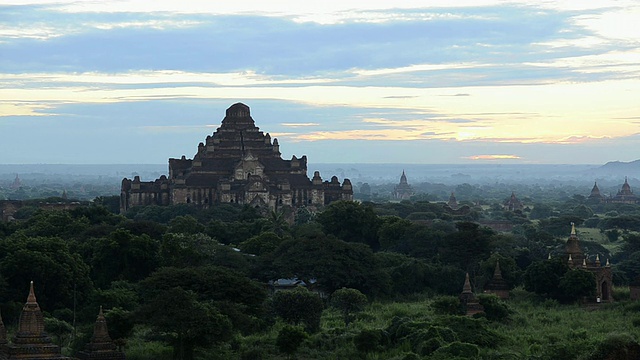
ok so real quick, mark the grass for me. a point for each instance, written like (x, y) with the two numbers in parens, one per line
(536, 329)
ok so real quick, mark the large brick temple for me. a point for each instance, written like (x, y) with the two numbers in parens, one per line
(237, 164)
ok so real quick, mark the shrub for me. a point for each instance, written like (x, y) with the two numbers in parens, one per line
(299, 306)
(289, 339)
(617, 346)
(348, 301)
(494, 308)
(427, 347)
(456, 350)
(371, 340)
(473, 331)
(447, 305)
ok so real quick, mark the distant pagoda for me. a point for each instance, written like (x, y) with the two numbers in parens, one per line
(625, 195)
(453, 202)
(403, 190)
(595, 193)
(497, 285)
(513, 204)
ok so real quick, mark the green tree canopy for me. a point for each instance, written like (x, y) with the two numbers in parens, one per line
(184, 321)
(47, 261)
(299, 306)
(334, 263)
(351, 221)
(236, 296)
(348, 302)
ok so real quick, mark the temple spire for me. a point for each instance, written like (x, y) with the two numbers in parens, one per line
(466, 288)
(497, 273)
(31, 298)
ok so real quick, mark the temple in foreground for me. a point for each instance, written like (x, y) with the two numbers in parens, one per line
(30, 340)
(239, 164)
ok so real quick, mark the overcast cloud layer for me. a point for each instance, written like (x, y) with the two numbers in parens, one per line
(139, 82)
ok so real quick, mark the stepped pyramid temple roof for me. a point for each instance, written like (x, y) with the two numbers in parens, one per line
(513, 204)
(497, 285)
(625, 195)
(30, 340)
(595, 192)
(240, 164)
(101, 347)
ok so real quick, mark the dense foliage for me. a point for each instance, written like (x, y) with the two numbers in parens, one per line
(187, 281)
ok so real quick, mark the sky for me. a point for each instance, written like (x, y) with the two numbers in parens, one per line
(424, 82)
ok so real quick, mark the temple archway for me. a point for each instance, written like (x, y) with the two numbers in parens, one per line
(604, 288)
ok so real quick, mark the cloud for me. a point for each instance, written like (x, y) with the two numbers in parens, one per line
(299, 124)
(493, 157)
(209, 43)
(479, 78)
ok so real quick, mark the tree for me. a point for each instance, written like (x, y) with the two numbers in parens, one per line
(299, 306)
(468, 246)
(576, 284)
(334, 263)
(494, 308)
(541, 211)
(261, 244)
(391, 233)
(187, 249)
(583, 211)
(348, 301)
(234, 295)
(277, 223)
(289, 339)
(123, 256)
(59, 329)
(57, 272)
(185, 225)
(543, 277)
(185, 322)
(351, 221)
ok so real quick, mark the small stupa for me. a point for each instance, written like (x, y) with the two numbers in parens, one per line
(468, 299)
(101, 347)
(497, 285)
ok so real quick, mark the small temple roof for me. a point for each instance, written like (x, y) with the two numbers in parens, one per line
(466, 288)
(497, 282)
